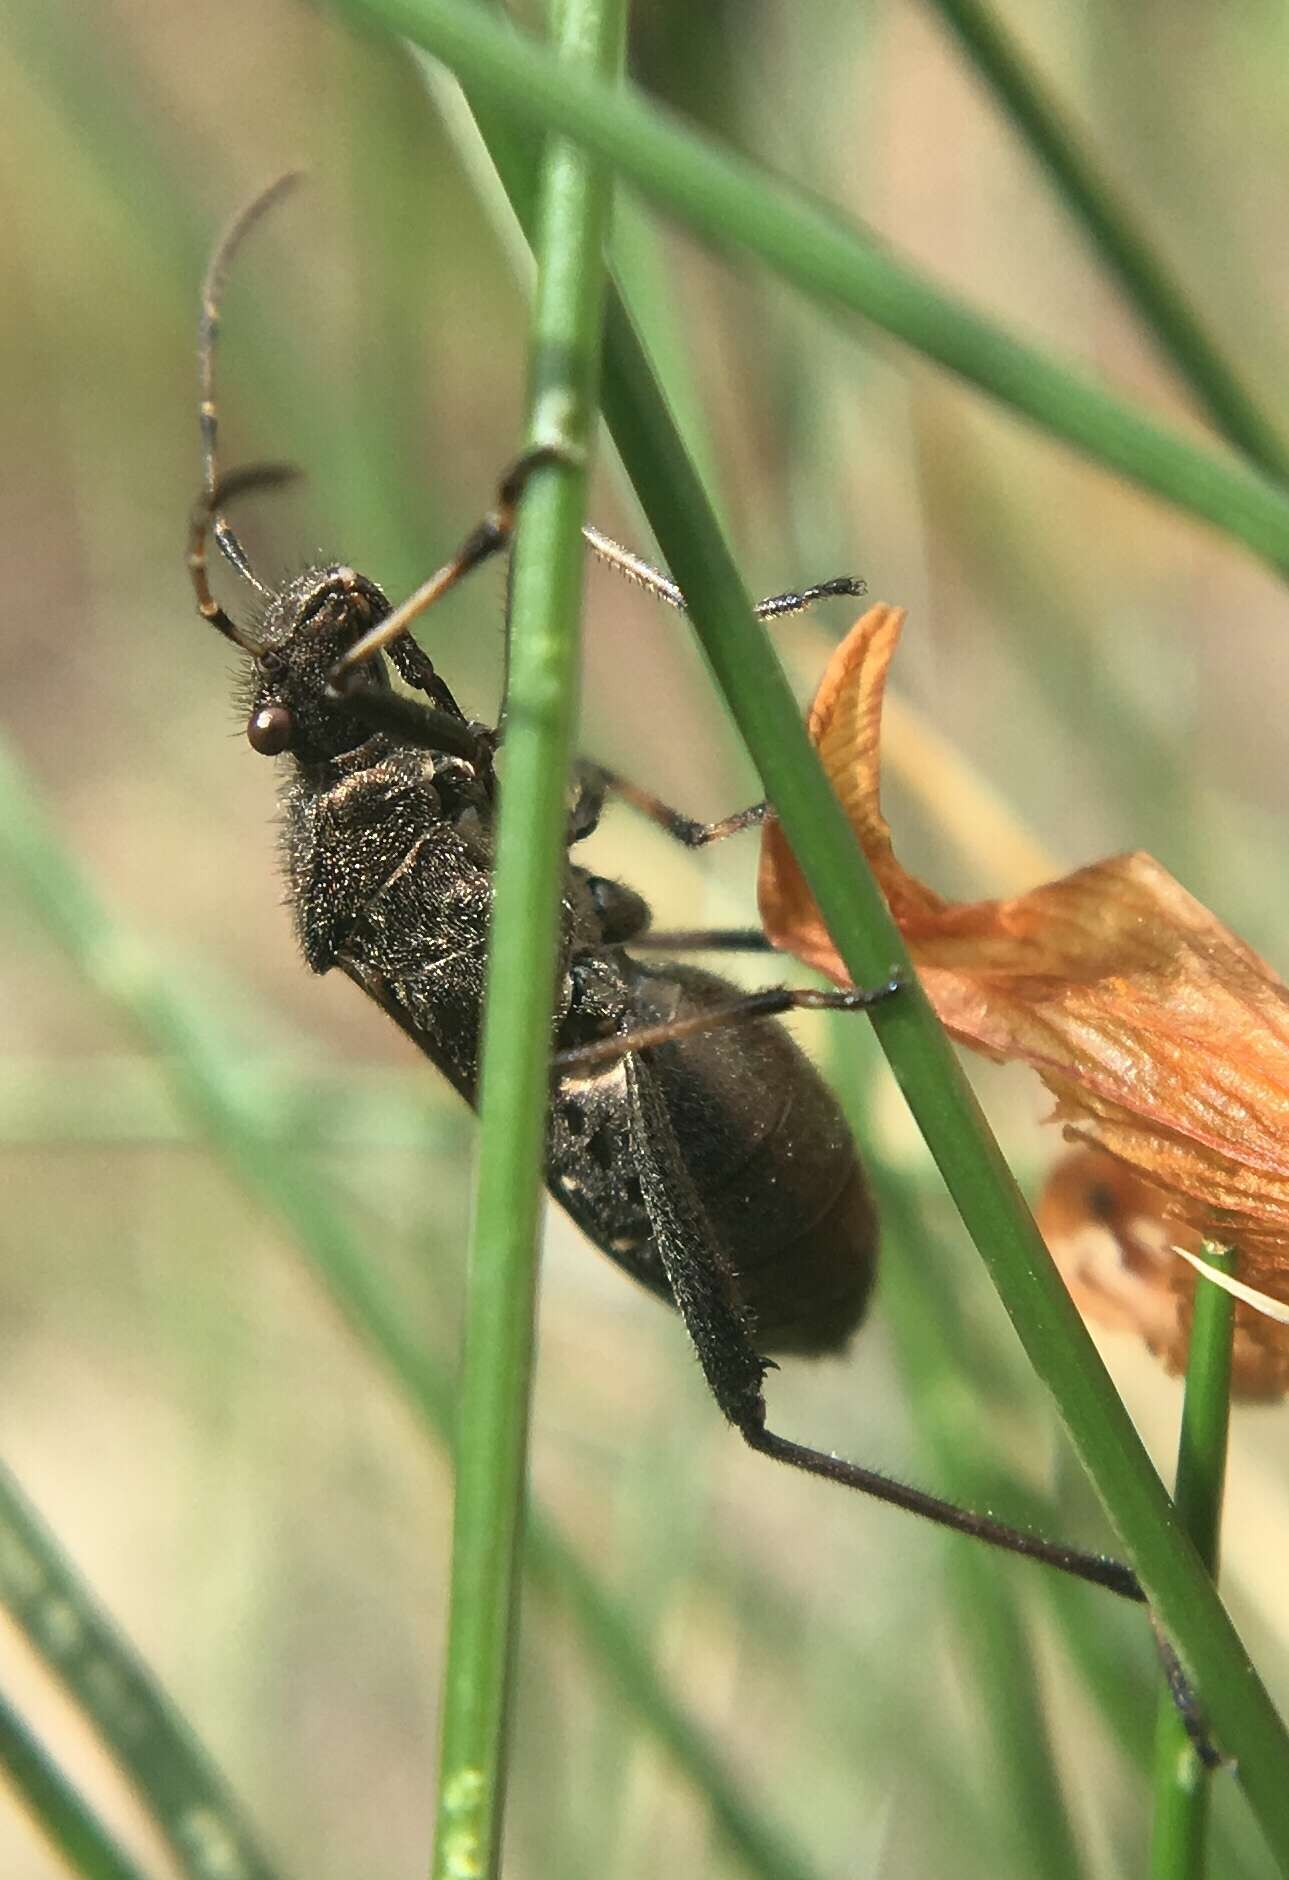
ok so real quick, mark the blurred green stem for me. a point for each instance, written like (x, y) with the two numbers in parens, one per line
(170, 1772)
(1122, 242)
(991, 1634)
(994, 1638)
(1182, 1783)
(62, 1815)
(545, 601)
(738, 204)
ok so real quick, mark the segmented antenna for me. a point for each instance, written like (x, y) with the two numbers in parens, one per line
(204, 512)
(212, 291)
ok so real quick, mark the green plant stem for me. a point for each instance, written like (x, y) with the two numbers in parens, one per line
(546, 585)
(628, 378)
(1037, 1813)
(58, 1810)
(934, 1084)
(207, 1071)
(1145, 277)
(738, 204)
(1182, 1783)
(946, 1111)
(234, 1109)
(170, 1772)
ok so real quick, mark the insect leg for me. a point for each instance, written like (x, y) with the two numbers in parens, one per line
(596, 782)
(702, 940)
(426, 726)
(486, 539)
(212, 292)
(591, 785)
(699, 1279)
(411, 661)
(771, 1003)
(700, 1282)
(201, 524)
(625, 562)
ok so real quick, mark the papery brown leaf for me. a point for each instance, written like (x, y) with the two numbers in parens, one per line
(1164, 1038)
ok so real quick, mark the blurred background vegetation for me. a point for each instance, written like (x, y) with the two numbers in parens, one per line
(230, 1470)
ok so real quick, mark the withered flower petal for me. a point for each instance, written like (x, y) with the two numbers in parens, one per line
(1163, 1037)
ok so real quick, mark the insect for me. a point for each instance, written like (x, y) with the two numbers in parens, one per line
(688, 1135)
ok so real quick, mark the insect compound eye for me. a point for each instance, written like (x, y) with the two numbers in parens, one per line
(270, 730)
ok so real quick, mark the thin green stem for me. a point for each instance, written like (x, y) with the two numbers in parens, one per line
(937, 1091)
(1182, 1783)
(62, 1814)
(546, 587)
(209, 1078)
(169, 1770)
(933, 1082)
(1148, 282)
(737, 204)
(221, 1087)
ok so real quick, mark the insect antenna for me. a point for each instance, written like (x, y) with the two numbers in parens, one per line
(204, 512)
(212, 292)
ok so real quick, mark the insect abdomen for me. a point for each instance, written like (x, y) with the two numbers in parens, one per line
(771, 1157)
(776, 1166)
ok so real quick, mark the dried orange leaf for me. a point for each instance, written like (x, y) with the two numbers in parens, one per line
(1164, 1038)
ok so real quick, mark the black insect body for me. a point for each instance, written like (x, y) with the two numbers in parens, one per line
(688, 1135)
(388, 849)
